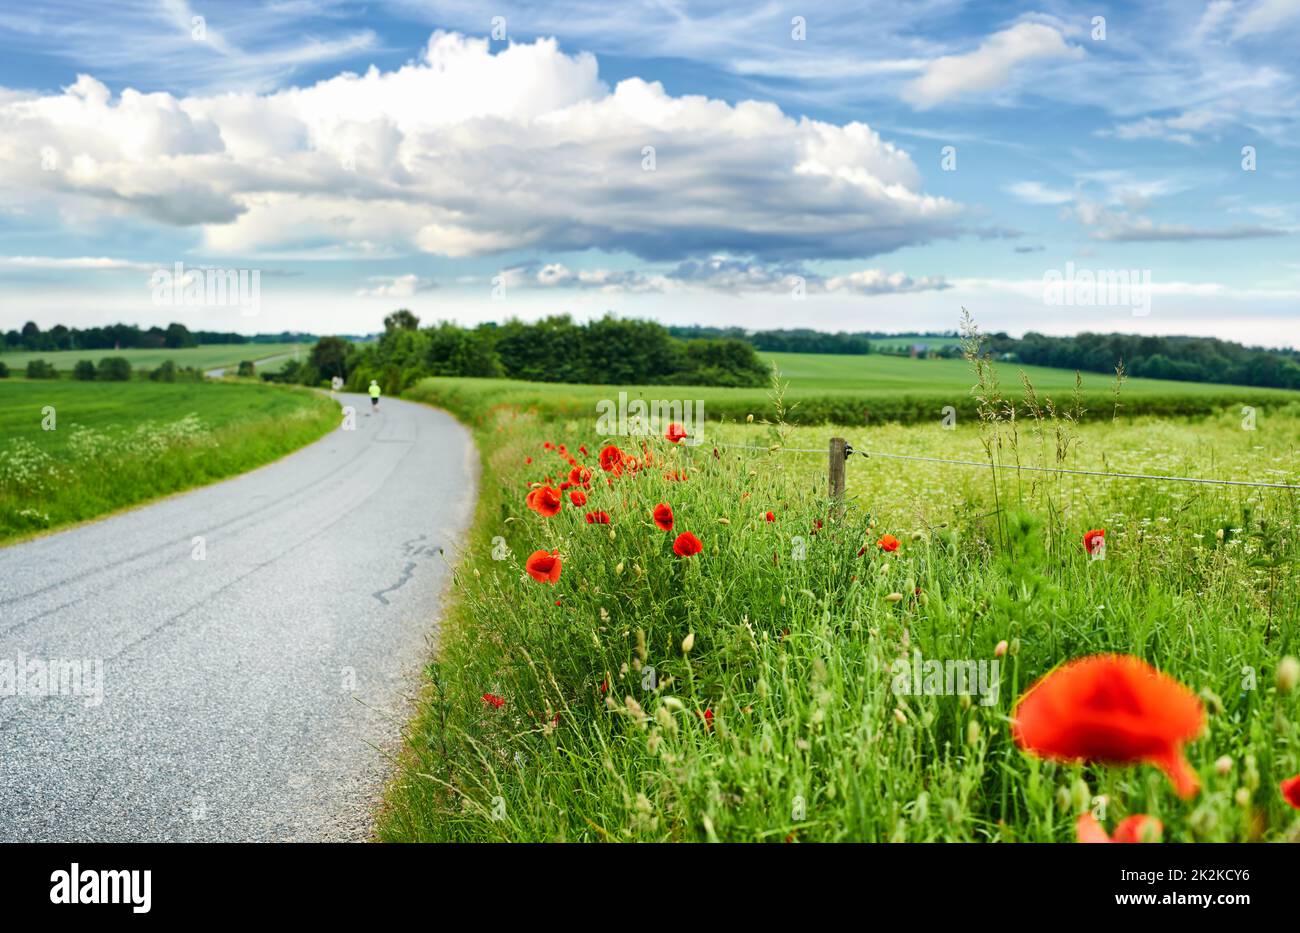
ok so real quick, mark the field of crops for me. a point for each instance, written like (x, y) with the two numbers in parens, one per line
(865, 390)
(654, 641)
(208, 356)
(71, 451)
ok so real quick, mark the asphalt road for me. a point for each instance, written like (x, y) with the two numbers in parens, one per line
(255, 693)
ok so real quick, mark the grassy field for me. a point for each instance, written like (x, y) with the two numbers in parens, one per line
(773, 710)
(864, 390)
(208, 356)
(112, 445)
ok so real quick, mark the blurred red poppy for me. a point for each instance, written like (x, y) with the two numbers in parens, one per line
(1291, 791)
(1111, 708)
(663, 516)
(494, 701)
(1136, 828)
(578, 497)
(580, 476)
(675, 433)
(597, 518)
(543, 567)
(1093, 540)
(887, 543)
(687, 544)
(770, 517)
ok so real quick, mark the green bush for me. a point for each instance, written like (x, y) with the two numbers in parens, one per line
(114, 369)
(39, 369)
(84, 370)
(4, 370)
(166, 372)
(246, 369)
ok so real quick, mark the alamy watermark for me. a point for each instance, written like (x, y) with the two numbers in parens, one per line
(651, 417)
(204, 287)
(962, 677)
(36, 677)
(1086, 288)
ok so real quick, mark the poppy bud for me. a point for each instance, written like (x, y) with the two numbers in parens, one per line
(618, 568)
(1242, 797)
(1080, 795)
(611, 534)
(1014, 648)
(1063, 798)
(1001, 649)
(688, 643)
(749, 419)
(1288, 674)
(1223, 765)
(972, 733)
(900, 716)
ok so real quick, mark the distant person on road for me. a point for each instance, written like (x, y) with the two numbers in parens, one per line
(374, 395)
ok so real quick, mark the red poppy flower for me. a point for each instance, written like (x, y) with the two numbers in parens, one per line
(675, 433)
(494, 701)
(770, 517)
(1291, 791)
(887, 543)
(611, 460)
(816, 525)
(548, 445)
(528, 459)
(663, 516)
(677, 477)
(543, 567)
(1111, 708)
(687, 544)
(578, 497)
(708, 718)
(604, 686)
(1094, 539)
(582, 449)
(1136, 828)
(597, 518)
(545, 501)
(579, 476)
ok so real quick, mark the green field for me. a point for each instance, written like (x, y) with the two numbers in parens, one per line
(773, 711)
(208, 356)
(854, 390)
(111, 445)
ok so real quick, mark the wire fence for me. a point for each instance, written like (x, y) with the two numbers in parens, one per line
(1016, 468)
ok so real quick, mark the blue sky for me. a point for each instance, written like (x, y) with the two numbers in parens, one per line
(875, 168)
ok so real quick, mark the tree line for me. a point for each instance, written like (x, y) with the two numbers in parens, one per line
(131, 337)
(1190, 359)
(607, 351)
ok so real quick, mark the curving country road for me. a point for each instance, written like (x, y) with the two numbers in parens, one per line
(255, 693)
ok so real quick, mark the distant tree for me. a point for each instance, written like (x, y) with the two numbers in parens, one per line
(401, 320)
(177, 336)
(246, 368)
(4, 370)
(84, 370)
(329, 358)
(39, 369)
(114, 369)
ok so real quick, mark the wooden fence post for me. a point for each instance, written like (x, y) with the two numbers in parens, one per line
(836, 469)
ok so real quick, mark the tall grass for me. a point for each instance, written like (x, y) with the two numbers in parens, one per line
(112, 446)
(770, 713)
